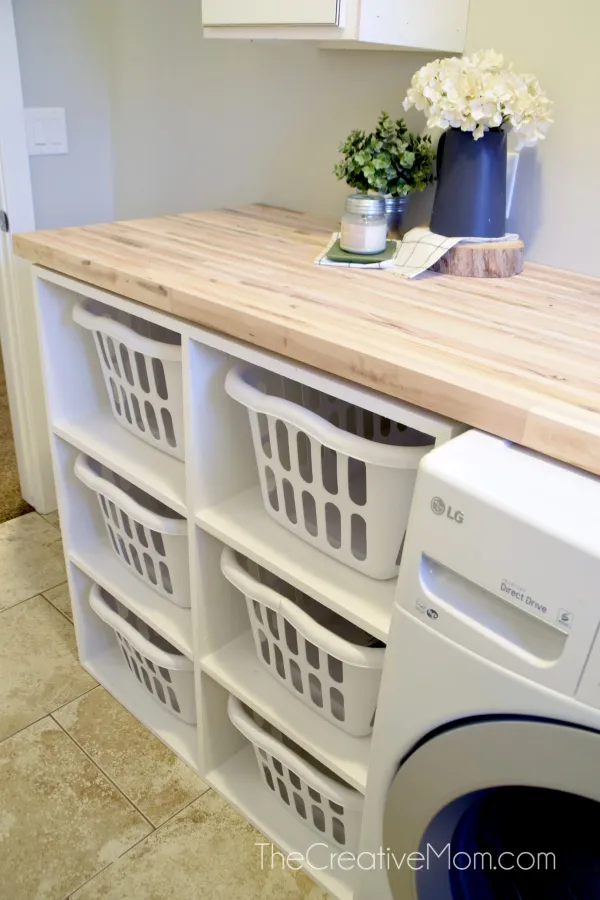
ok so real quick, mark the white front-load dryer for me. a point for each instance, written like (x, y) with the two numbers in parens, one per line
(484, 777)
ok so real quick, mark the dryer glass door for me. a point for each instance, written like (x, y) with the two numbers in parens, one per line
(497, 809)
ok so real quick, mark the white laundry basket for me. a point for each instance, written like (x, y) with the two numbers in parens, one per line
(141, 365)
(161, 669)
(338, 476)
(147, 536)
(310, 791)
(327, 662)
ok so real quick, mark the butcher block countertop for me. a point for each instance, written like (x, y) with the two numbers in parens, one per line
(519, 357)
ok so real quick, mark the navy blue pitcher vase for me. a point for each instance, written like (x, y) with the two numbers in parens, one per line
(470, 199)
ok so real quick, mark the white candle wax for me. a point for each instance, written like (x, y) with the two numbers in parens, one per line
(363, 238)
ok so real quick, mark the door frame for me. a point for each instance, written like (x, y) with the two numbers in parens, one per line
(18, 321)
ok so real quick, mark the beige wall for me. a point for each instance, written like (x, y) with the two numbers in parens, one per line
(557, 202)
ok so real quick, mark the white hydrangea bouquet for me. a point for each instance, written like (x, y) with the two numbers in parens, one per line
(479, 93)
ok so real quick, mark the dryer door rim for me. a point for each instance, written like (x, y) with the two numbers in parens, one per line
(478, 756)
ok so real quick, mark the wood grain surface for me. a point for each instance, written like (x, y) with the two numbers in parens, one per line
(485, 260)
(518, 357)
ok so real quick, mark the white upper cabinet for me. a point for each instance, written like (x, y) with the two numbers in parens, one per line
(270, 12)
(374, 24)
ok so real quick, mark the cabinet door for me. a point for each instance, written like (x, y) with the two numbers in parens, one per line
(270, 12)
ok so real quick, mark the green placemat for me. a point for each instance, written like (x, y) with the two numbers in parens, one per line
(336, 254)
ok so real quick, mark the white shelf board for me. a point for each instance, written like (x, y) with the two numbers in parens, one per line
(237, 668)
(150, 469)
(103, 567)
(238, 781)
(110, 670)
(242, 523)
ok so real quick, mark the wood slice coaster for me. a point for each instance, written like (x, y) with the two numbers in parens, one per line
(485, 260)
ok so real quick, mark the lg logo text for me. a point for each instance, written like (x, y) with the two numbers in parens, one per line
(439, 508)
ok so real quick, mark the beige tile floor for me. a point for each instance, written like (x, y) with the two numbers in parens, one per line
(92, 806)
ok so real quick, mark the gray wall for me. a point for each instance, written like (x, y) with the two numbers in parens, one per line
(184, 115)
(202, 123)
(63, 57)
(558, 186)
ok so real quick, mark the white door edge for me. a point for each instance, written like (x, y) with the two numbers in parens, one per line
(18, 330)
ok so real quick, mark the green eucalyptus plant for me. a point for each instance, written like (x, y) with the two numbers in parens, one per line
(390, 160)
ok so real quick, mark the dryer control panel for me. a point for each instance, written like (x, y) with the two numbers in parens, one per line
(502, 556)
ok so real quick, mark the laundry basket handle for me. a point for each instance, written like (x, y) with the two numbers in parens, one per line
(92, 321)
(328, 641)
(153, 521)
(239, 385)
(245, 583)
(333, 790)
(138, 641)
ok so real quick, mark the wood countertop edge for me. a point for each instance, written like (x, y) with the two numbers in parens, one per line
(572, 434)
(565, 433)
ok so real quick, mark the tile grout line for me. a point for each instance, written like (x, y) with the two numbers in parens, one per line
(60, 584)
(52, 524)
(185, 806)
(25, 727)
(39, 593)
(48, 715)
(106, 775)
(73, 699)
(70, 621)
(137, 843)
(87, 881)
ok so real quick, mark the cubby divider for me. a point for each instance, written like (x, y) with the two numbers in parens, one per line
(216, 491)
(100, 655)
(237, 669)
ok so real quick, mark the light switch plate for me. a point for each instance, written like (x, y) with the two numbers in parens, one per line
(46, 129)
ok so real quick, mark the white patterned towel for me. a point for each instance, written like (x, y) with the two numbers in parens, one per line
(418, 251)
(421, 248)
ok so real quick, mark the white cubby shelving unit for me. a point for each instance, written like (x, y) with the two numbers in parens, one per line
(216, 490)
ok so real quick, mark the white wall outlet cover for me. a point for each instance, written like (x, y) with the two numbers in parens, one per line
(46, 129)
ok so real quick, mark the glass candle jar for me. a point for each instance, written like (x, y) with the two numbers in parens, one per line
(364, 224)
